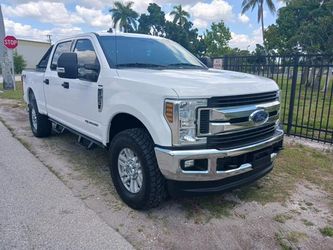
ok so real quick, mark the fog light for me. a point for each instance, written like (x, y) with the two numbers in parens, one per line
(194, 165)
(188, 163)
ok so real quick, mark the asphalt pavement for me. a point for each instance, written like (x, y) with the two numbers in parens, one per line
(37, 210)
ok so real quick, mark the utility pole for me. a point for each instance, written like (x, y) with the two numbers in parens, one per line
(5, 60)
(49, 38)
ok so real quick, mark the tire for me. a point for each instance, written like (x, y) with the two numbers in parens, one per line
(40, 124)
(153, 185)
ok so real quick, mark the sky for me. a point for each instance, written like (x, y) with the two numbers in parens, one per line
(36, 19)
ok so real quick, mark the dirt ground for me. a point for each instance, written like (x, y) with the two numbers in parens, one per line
(265, 215)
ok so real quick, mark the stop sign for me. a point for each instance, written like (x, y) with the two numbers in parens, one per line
(10, 42)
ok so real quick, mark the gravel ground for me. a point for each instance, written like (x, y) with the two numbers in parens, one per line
(222, 221)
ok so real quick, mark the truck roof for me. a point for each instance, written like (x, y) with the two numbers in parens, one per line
(115, 33)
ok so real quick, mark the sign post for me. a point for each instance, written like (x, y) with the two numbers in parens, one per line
(5, 62)
(10, 42)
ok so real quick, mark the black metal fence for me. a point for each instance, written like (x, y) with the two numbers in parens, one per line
(306, 90)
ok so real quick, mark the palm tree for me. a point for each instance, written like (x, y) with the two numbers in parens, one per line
(180, 15)
(251, 4)
(123, 14)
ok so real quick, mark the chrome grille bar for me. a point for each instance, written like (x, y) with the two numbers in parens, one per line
(231, 119)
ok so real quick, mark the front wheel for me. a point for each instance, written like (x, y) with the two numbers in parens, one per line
(40, 124)
(134, 169)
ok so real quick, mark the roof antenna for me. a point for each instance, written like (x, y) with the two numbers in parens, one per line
(110, 30)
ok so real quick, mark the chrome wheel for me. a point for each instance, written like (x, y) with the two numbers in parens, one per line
(34, 118)
(130, 170)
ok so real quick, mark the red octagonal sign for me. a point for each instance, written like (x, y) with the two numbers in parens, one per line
(10, 42)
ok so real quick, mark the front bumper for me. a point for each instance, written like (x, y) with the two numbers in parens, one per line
(169, 161)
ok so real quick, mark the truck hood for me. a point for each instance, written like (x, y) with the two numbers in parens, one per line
(201, 83)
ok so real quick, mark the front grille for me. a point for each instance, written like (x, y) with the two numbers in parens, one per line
(241, 138)
(228, 101)
(204, 121)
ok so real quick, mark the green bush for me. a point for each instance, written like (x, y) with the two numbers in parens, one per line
(19, 63)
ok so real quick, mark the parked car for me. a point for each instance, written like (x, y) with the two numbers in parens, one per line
(170, 124)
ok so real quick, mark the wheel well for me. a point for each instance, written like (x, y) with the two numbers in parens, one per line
(30, 94)
(122, 122)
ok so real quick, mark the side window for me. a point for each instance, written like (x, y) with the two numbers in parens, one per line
(88, 65)
(41, 66)
(61, 48)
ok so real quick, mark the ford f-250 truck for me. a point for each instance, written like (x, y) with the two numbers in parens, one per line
(171, 125)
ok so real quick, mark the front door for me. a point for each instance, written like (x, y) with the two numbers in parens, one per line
(82, 103)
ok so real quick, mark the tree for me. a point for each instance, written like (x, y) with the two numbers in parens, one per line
(185, 35)
(303, 26)
(238, 52)
(217, 40)
(125, 16)
(152, 23)
(180, 16)
(19, 63)
(273, 41)
(251, 4)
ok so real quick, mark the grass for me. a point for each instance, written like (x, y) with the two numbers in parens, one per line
(12, 94)
(282, 218)
(307, 223)
(284, 244)
(295, 163)
(295, 236)
(202, 209)
(327, 231)
(288, 240)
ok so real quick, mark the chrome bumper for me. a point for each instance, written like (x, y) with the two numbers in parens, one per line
(169, 161)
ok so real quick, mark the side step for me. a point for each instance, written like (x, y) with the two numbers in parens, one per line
(88, 144)
(58, 128)
(83, 140)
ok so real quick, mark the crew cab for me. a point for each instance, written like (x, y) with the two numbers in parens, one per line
(170, 124)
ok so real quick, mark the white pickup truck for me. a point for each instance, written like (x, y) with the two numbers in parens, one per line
(170, 124)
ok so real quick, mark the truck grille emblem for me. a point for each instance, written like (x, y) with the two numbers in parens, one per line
(259, 117)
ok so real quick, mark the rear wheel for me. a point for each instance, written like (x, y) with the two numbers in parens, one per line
(40, 124)
(134, 169)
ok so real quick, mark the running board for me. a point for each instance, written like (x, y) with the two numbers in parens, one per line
(58, 128)
(83, 140)
(88, 144)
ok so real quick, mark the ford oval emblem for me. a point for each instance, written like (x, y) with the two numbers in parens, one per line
(259, 117)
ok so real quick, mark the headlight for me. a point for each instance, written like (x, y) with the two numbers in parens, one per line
(278, 95)
(181, 116)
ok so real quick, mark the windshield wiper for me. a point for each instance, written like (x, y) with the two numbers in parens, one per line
(139, 65)
(185, 65)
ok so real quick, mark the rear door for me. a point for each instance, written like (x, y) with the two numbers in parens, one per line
(56, 96)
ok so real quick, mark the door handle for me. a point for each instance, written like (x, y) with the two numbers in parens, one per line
(46, 81)
(65, 85)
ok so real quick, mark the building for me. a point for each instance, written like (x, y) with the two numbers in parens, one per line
(32, 51)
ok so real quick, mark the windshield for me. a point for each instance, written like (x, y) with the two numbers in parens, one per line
(136, 52)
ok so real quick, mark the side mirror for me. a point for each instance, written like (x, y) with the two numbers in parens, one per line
(93, 67)
(207, 61)
(67, 66)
